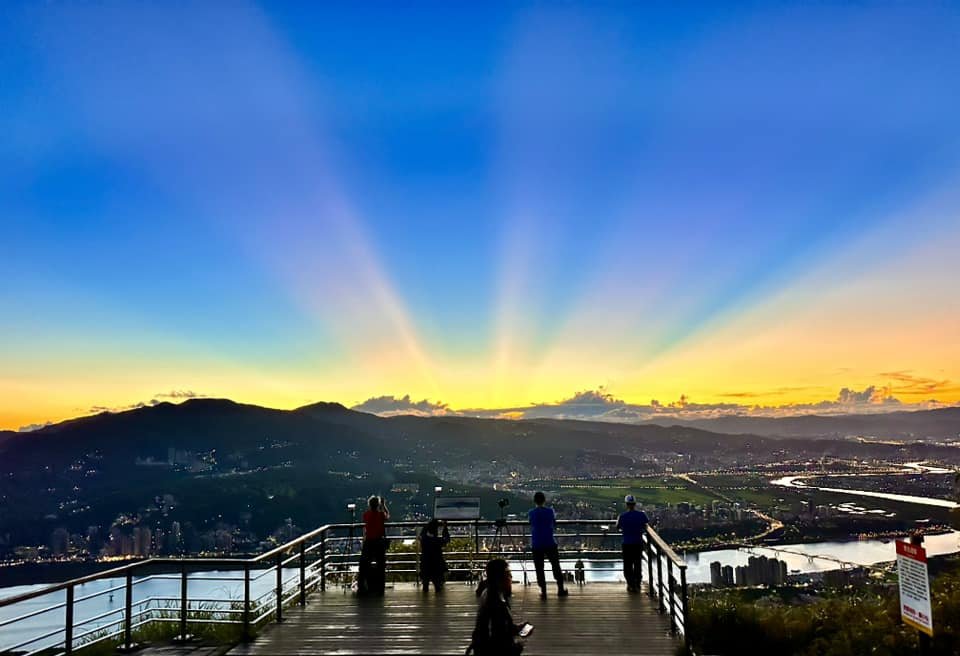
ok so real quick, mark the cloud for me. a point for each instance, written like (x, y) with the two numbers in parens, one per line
(99, 409)
(178, 394)
(904, 382)
(391, 405)
(601, 405)
(871, 395)
(29, 428)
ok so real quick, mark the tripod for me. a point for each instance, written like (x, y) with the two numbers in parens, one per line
(503, 529)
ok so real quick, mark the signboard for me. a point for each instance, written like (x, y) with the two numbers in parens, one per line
(456, 508)
(914, 586)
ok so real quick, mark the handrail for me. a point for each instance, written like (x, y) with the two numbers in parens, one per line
(286, 547)
(670, 591)
(116, 572)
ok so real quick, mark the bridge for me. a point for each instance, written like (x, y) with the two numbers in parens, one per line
(298, 599)
(844, 564)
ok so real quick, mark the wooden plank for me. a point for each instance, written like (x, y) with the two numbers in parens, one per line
(595, 619)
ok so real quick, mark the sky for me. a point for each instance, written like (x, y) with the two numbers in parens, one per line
(726, 207)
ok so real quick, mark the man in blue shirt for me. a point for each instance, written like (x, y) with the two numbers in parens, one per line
(544, 545)
(633, 525)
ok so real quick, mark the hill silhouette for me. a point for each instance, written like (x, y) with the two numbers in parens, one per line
(248, 465)
(940, 423)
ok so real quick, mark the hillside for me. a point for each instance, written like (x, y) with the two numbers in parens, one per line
(240, 465)
(942, 423)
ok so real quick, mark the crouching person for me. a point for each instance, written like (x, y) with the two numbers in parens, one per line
(495, 633)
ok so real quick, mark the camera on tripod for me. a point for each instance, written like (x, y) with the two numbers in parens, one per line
(503, 503)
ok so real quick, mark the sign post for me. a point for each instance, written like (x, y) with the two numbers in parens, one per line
(914, 587)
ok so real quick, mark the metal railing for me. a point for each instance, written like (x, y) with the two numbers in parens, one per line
(253, 591)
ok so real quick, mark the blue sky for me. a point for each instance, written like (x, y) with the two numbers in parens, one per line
(487, 205)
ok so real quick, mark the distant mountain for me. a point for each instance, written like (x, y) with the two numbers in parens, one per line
(248, 466)
(942, 423)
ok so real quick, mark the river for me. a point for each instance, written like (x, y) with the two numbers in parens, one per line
(799, 482)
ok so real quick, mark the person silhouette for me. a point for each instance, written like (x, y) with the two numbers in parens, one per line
(543, 544)
(633, 525)
(433, 536)
(495, 633)
(374, 548)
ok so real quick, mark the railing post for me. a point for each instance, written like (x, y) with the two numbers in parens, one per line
(246, 602)
(660, 605)
(303, 574)
(323, 560)
(685, 608)
(670, 600)
(68, 623)
(279, 588)
(184, 602)
(649, 566)
(128, 613)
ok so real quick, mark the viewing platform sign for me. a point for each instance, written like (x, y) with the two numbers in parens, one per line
(914, 586)
(457, 508)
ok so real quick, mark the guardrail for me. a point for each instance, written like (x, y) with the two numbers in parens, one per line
(257, 590)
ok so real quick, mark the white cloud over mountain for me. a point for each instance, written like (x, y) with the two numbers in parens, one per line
(600, 405)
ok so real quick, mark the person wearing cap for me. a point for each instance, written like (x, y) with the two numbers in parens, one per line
(632, 524)
(543, 544)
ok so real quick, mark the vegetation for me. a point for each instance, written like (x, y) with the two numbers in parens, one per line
(650, 491)
(844, 623)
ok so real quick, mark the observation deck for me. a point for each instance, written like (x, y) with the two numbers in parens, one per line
(597, 618)
(298, 599)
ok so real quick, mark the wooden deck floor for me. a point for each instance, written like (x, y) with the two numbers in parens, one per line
(599, 618)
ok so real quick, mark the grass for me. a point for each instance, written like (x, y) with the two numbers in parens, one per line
(205, 622)
(658, 491)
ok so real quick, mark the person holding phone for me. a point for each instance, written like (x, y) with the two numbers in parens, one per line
(495, 633)
(372, 576)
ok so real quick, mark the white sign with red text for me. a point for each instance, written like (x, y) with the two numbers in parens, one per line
(914, 586)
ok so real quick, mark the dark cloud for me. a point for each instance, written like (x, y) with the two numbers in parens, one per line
(391, 405)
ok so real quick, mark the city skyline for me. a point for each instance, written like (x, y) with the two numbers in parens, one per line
(446, 209)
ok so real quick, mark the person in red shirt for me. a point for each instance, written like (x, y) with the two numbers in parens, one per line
(373, 554)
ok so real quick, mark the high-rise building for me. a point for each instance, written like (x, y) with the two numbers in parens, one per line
(741, 575)
(142, 541)
(727, 574)
(175, 539)
(60, 542)
(716, 577)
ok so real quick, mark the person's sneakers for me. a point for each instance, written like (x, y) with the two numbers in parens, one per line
(543, 593)
(563, 592)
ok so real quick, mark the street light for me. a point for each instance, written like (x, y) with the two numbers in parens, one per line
(438, 489)
(352, 509)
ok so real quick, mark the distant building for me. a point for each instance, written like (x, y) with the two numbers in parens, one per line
(175, 539)
(727, 574)
(741, 575)
(60, 542)
(716, 577)
(761, 570)
(142, 541)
